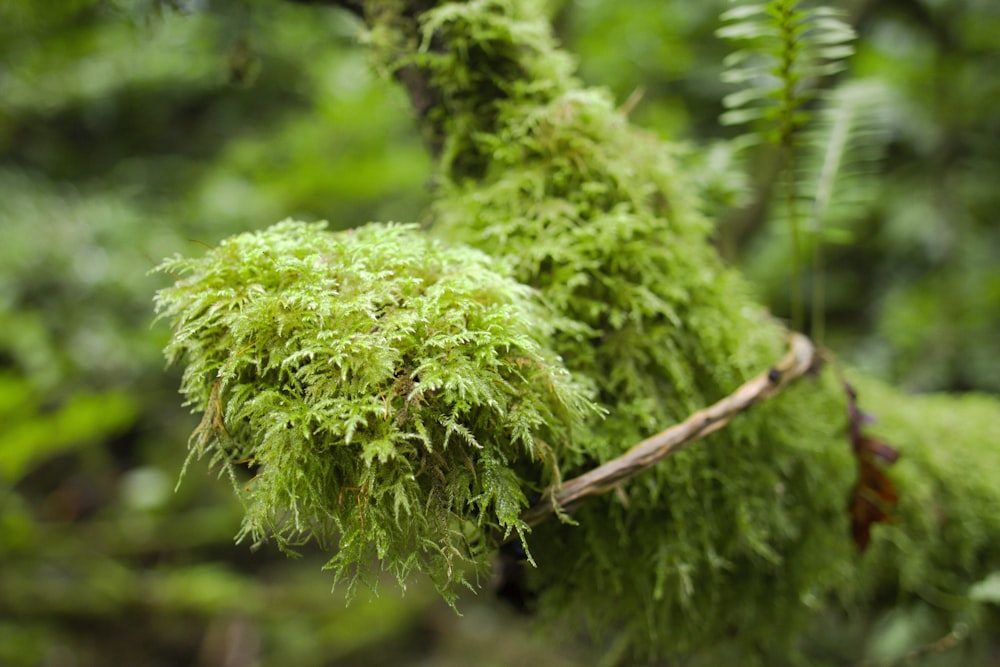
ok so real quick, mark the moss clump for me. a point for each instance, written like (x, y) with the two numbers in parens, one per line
(391, 394)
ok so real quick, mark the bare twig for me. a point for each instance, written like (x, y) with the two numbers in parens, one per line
(800, 358)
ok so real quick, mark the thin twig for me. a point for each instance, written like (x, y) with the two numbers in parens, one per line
(799, 359)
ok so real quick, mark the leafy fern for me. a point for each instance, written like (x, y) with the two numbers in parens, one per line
(786, 50)
(841, 150)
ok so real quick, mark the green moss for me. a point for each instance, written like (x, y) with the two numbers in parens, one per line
(401, 397)
(383, 389)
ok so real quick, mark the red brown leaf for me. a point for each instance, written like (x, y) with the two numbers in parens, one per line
(874, 494)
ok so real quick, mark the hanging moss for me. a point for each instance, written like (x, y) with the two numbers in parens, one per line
(394, 397)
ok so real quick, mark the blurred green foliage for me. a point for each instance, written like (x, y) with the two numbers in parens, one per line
(134, 129)
(912, 295)
(127, 135)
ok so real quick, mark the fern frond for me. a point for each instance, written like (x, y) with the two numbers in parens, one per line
(837, 183)
(785, 50)
(841, 152)
(842, 149)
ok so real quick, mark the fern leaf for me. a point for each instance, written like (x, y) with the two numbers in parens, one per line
(842, 149)
(783, 50)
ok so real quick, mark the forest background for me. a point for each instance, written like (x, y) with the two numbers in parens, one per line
(130, 131)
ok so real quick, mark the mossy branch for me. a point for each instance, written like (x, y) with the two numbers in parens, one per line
(403, 396)
(392, 395)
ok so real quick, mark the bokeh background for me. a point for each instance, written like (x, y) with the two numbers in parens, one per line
(131, 130)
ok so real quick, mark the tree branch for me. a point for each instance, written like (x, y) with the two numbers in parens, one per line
(801, 357)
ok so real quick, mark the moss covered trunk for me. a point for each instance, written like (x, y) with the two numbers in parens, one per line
(739, 535)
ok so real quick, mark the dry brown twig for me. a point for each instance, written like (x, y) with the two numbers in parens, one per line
(802, 356)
